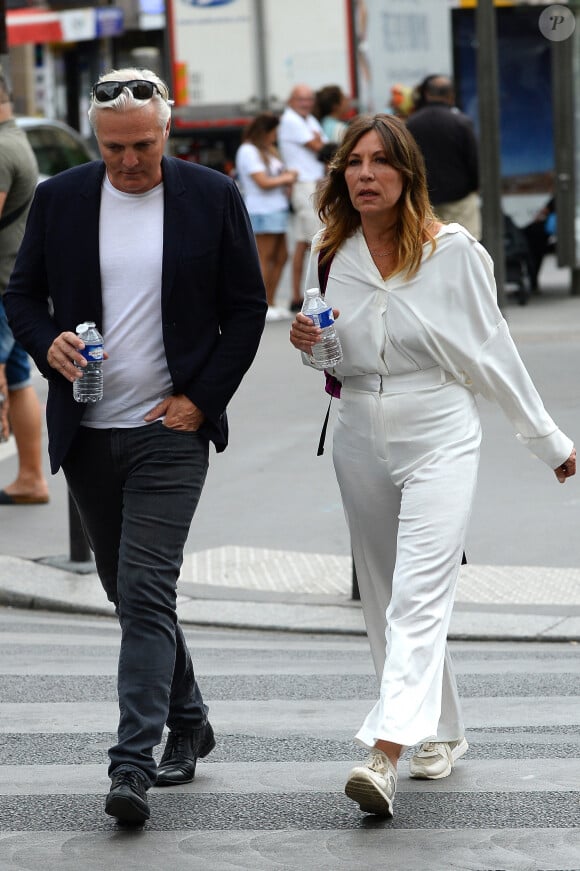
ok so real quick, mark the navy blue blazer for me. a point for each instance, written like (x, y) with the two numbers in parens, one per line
(212, 297)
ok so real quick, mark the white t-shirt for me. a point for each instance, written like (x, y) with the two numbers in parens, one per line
(293, 132)
(135, 377)
(259, 201)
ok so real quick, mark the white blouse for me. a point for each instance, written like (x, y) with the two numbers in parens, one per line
(446, 315)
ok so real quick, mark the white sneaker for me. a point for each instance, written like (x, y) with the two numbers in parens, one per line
(284, 314)
(272, 314)
(373, 784)
(435, 759)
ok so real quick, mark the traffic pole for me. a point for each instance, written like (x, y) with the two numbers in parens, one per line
(489, 144)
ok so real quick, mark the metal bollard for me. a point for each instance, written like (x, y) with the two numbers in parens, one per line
(80, 552)
(355, 593)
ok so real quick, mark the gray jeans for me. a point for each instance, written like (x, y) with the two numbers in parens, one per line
(136, 491)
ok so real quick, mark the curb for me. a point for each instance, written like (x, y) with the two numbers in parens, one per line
(293, 625)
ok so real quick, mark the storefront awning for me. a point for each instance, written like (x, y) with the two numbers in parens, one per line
(71, 25)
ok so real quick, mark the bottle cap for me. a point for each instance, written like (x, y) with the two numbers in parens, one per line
(86, 325)
(312, 291)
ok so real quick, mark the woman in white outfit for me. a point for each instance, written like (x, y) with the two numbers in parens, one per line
(421, 334)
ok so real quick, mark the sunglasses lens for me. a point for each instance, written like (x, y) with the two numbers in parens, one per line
(142, 90)
(104, 92)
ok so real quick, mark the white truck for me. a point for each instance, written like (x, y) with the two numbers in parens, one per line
(233, 58)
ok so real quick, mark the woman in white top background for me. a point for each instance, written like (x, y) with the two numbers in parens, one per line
(265, 186)
(332, 108)
(421, 334)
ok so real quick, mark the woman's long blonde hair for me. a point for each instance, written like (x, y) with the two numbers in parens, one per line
(415, 221)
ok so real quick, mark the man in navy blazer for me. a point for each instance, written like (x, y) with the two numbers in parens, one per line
(160, 254)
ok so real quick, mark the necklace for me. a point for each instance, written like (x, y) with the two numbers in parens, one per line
(381, 253)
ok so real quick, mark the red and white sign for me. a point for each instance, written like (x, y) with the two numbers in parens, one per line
(70, 25)
(33, 25)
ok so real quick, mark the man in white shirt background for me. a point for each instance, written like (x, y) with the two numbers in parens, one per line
(300, 138)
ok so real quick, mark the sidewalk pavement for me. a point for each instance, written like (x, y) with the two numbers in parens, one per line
(309, 592)
(253, 588)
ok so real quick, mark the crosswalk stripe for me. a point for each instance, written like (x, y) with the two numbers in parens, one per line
(285, 709)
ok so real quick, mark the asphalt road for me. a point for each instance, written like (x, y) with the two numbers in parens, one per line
(270, 490)
(284, 708)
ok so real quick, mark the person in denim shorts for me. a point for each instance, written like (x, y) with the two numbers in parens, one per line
(266, 184)
(20, 409)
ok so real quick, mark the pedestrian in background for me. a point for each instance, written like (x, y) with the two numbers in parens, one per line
(159, 252)
(300, 138)
(331, 109)
(402, 100)
(20, 411)
(266, 187)
(541, 235)
(446, 138)
(421, 333)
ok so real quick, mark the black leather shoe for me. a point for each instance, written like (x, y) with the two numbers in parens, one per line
(181, 754)
(127, 799)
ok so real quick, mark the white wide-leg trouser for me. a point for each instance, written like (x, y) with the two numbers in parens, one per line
(406, 452)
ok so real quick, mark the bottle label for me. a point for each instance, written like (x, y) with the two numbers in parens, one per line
(322, 319)
(92, 353)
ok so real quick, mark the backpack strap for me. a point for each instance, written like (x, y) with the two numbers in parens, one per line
(332, 385)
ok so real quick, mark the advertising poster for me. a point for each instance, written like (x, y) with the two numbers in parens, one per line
(525, 94)
(399, 42)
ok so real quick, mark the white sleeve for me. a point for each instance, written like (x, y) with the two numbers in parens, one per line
(473, 342)
(499, 374)
(249, 159)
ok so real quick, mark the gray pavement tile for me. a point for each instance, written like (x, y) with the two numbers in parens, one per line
(483, 849)
(568, 628)
(320, 602)
(516, 626)
(294, 572)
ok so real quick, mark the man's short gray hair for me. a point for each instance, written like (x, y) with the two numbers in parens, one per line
(126, 101)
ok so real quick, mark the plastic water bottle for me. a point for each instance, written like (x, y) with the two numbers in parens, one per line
(326, 352)
(89, 388)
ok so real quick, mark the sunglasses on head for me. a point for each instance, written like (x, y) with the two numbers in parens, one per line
(104, 92)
